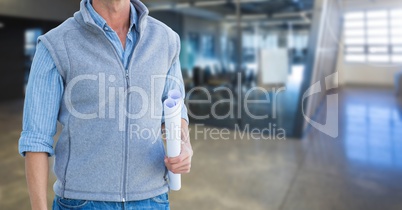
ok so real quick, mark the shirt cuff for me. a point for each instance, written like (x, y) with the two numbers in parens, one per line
(185, 117)
(35, 142)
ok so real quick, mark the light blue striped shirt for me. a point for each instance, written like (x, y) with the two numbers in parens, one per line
(45, 88)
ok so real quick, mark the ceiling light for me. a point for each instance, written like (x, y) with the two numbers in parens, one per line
(161, 7)
(170, 6)
(302, 14)
(182, 5)
(210, 3)
(251, 1)
(248, 17)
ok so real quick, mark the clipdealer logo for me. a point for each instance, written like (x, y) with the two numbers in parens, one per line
(330, 127)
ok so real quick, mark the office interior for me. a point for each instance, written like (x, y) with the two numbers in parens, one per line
(329, 71)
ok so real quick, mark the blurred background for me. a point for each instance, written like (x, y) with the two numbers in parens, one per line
(329, 71)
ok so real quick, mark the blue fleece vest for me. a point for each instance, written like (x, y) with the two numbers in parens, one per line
(110, 147)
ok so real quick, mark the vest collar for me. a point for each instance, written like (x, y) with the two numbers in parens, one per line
(85, 16)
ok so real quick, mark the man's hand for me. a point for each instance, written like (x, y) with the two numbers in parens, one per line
(182, 163)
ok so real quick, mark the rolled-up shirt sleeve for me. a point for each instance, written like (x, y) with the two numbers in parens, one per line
(174, 80)
(42, 103)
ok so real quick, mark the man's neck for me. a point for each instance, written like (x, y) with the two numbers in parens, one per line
(115, 12)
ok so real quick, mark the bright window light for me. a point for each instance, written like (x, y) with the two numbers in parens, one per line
(356, 58)
(397, 58)
(354, 15)
(397, 40)
(377, 32)
(373, 36)
(355, 49)
(397, 13)
(378, 58)
(355, 41)
(396, 32)
(354, 24)
(397, 49)
(378, 50)
(354, 32)
(396, 22)
(377, 14)
(377, 23)
(377, 40)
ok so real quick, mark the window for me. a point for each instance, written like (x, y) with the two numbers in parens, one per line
(373, 36)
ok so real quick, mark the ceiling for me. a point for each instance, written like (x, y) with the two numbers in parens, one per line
(228, 7)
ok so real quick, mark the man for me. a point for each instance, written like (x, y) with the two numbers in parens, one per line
(103, 74)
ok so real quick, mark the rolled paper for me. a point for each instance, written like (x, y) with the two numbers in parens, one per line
(172, 110)
(175, 95)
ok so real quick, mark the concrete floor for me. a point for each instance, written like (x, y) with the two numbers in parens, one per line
(361, 169)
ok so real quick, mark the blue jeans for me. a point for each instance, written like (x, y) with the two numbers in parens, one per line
(157, 202)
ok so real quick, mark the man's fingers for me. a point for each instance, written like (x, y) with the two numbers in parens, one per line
(180, 165)
(184, 167)
(181, 170)
(182, 157)
(176, 165)
(179, 159)
(184, 171)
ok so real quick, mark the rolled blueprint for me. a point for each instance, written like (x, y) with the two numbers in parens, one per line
(172, 110)
(176, 96)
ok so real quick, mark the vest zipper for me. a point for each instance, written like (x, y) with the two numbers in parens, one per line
(126, 137)
(127, 86)
(127, 78)
(127, 107)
